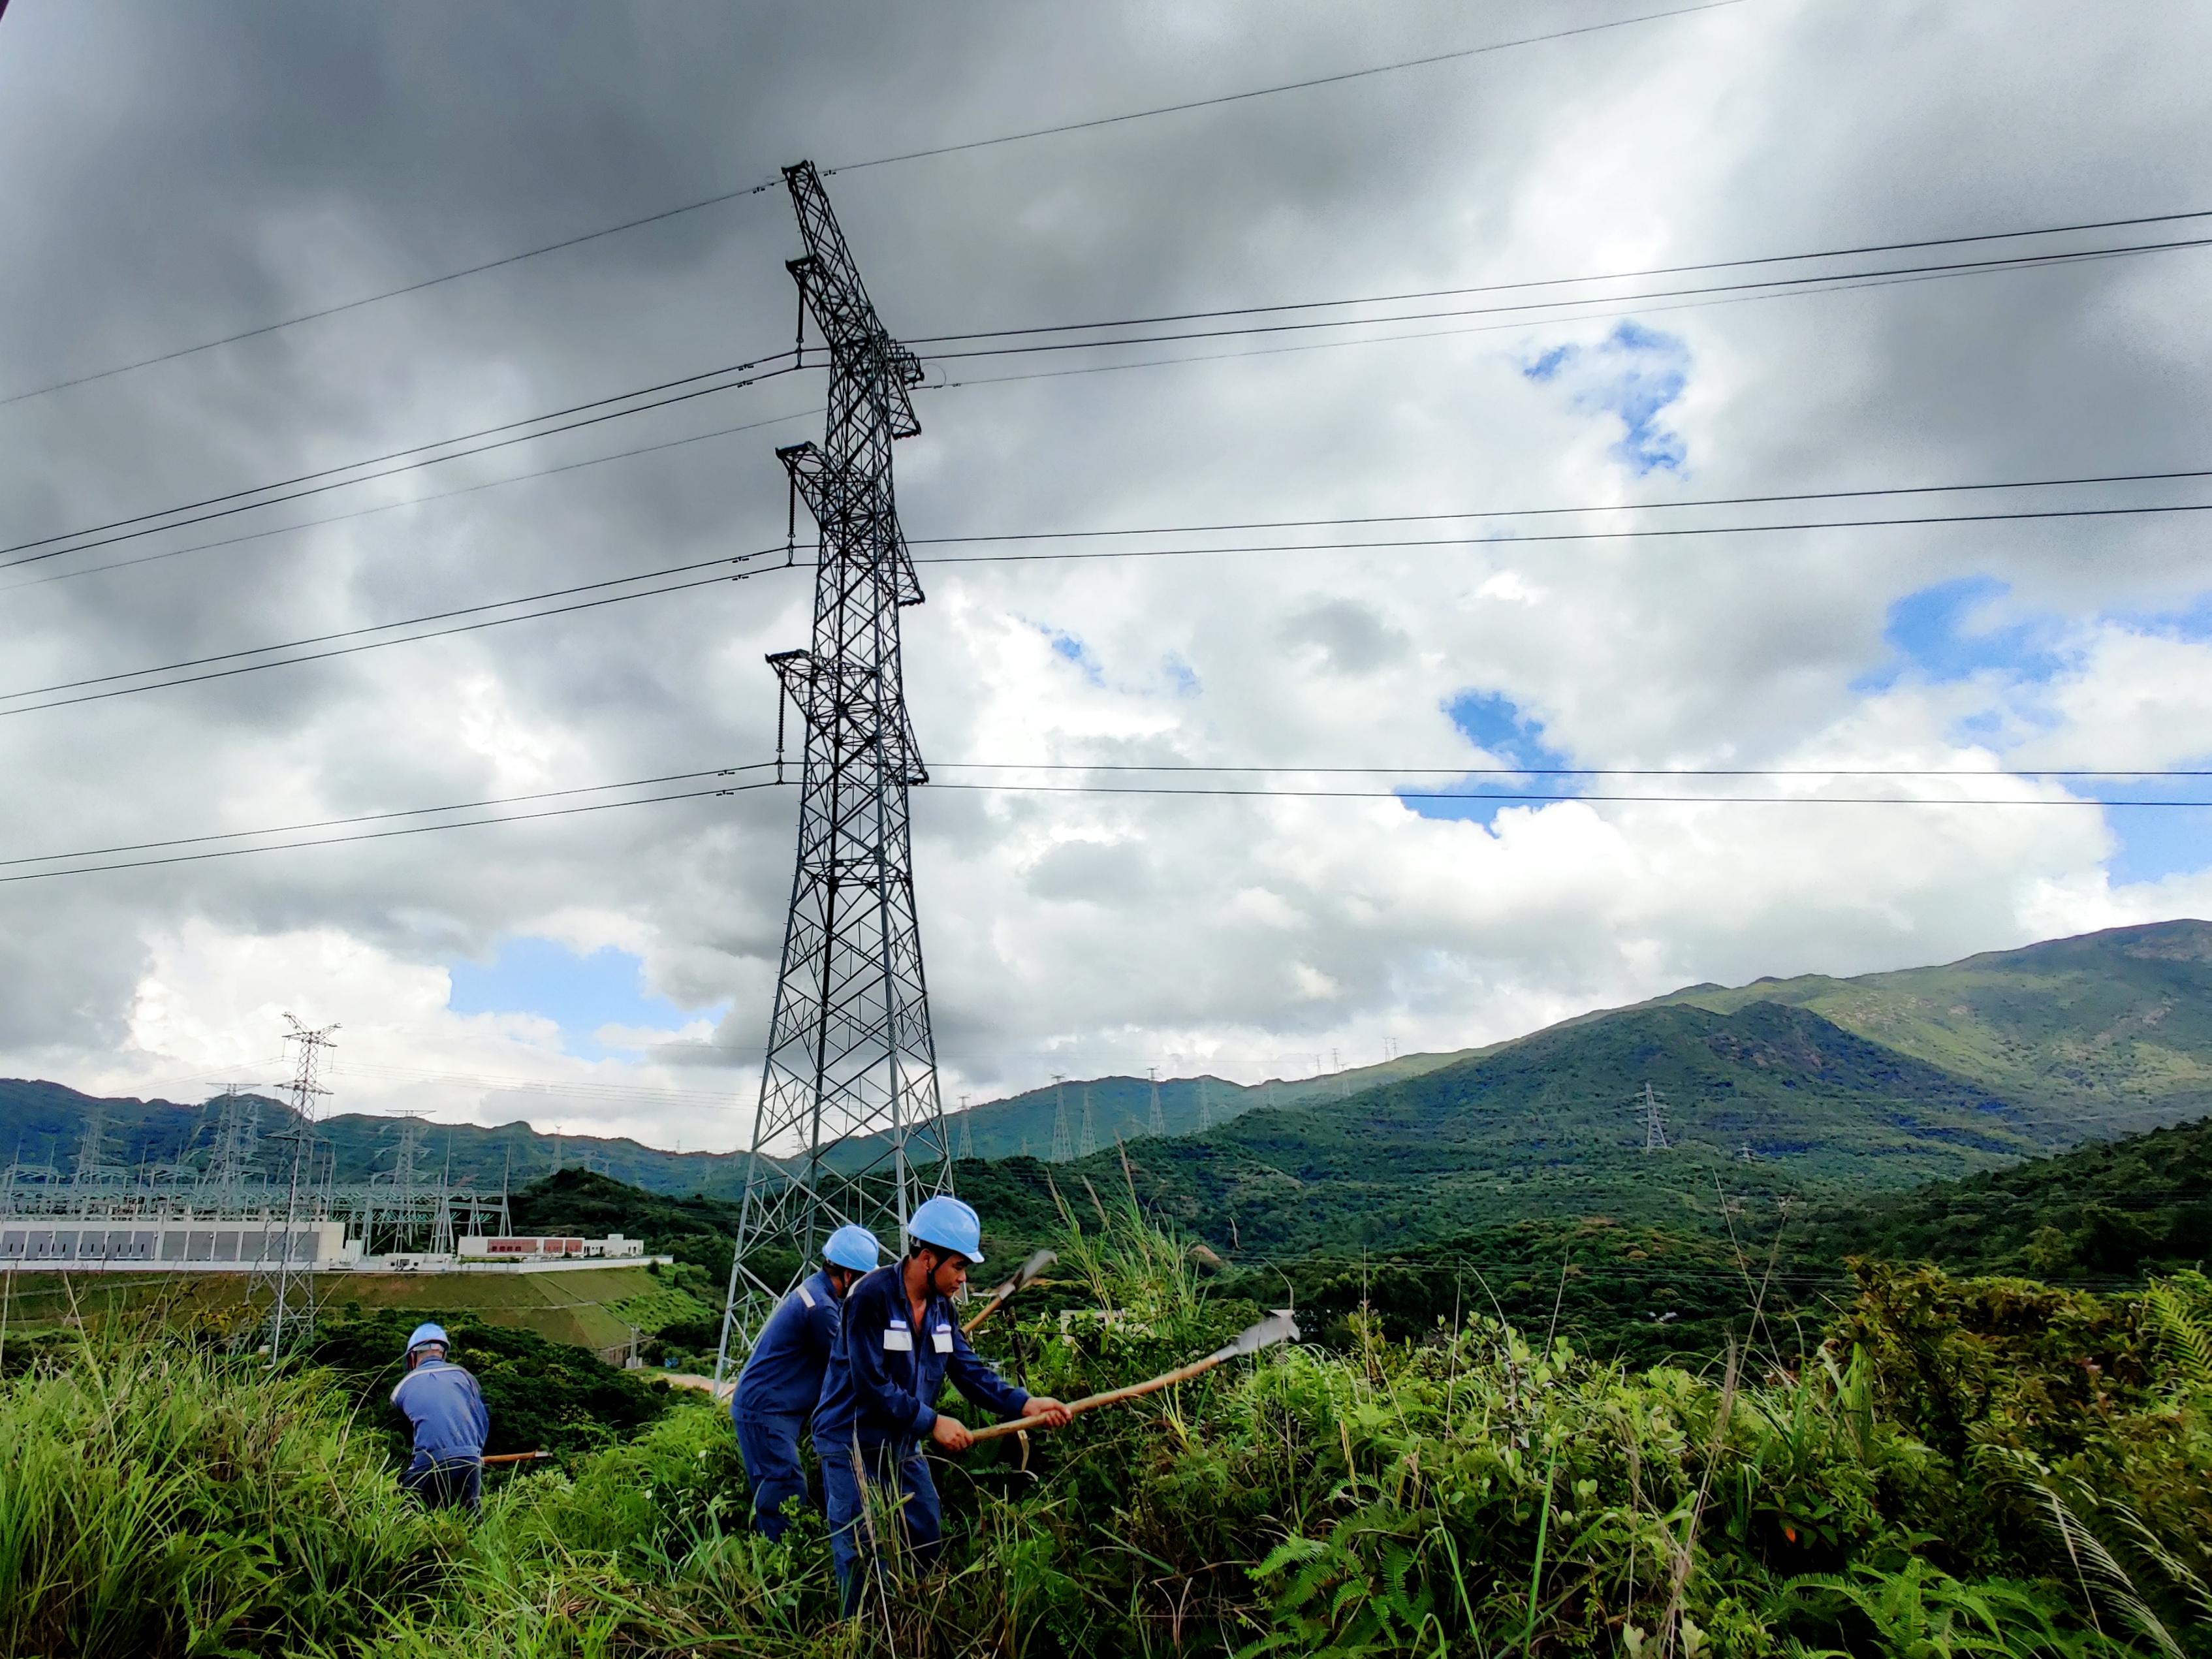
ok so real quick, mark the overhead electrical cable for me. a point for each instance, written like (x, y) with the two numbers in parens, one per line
(1462, 769)
(1399, 545)
(387, 834)
(1488, 798)
(1474, 797)
(767, 184)
(1862, 492)
(1770, 285)
(396, 454)
(376, 645)
(1669, 532)
(1859, 251)
(422, 451)
(233, 510)
(412, 501)
(380, 817)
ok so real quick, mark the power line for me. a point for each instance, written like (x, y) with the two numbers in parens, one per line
(395, 454)
(1667, 533)
(768, 185)
(419, 450)
(1836, 281)
(385, 834)
(1463, 771)
(2061, 482)
(376, 645)
(370, 477)
(378, 818)
(412, 501)
(1859, 251)
(1519, 798)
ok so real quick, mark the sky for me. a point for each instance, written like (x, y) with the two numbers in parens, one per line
(180, 174)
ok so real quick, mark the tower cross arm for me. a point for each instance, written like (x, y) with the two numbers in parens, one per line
(830, 282)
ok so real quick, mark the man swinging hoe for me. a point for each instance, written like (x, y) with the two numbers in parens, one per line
(898, 1340)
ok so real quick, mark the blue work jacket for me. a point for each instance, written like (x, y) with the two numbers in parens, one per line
(884, 1376)
(783, 1377)
(446, 1407)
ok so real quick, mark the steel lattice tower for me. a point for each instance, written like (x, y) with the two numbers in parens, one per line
(291, 1276)
(850, 1128)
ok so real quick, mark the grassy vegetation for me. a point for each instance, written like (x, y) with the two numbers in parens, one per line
(1965, 1467)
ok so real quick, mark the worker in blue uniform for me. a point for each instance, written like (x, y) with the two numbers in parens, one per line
(782, 1379)
(446, 1407)
(897, 1340)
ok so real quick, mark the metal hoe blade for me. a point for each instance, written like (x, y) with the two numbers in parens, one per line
(1278, 1327)
(1029, 1272)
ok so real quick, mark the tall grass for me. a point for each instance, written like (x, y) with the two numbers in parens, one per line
(1473, 1493)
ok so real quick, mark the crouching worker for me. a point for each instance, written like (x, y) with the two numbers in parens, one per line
(783, 1380)
(897, 1340)
(443, 1402)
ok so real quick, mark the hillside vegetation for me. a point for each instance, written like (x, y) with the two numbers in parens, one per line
(2143, 1204)
(2096, 1034)
(1965, 1467)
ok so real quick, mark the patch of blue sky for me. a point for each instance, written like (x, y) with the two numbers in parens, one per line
(581, 995)
(1182, 677)
(1496, 723)
(2155, 841)
(1634, 374)
(1072, 647)
(1948, 632)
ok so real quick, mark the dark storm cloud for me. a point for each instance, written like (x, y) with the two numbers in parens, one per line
(183, 172)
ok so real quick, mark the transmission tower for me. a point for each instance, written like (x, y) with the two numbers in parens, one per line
(237, 1133)
(967, 1130)
(1204, 1105)
(1655, 1122)
(291, 1275)
(851, 1062)
(1154, 1120)
(1090, 1142)
(1063, 1142)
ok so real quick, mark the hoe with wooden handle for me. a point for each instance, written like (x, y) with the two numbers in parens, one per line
(515, 1457)
(1278, 1327)
(1024, 1276)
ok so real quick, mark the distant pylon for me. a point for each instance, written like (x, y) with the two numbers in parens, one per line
(850, 1127)
(967, 1130)
(1063, 1142)
(1654, 1123)
(291, 1276)
(237, 1133)
(1204, 1105)
(1090, 1142)
(1155, 1120)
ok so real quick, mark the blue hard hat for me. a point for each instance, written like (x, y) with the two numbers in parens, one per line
(855, 1247)
(949, 1225)
(425, 1334)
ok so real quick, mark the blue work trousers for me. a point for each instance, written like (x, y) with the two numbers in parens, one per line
(768, 1442)
(882, 1508)
(455, 1483)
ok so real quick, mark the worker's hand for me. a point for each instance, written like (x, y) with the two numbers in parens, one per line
(951, 1433)
(1047, 1414)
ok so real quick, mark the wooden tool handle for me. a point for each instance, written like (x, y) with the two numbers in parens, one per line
(989, 1308)
(1112, 1396)
(516, 1457)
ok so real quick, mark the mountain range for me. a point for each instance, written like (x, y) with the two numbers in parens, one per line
(1810, 1088)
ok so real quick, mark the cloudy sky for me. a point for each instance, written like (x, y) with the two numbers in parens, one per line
(181, 173)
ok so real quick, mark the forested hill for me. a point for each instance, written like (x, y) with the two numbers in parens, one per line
(2111, 1209)
(2099, 1035)
(1764, 1101)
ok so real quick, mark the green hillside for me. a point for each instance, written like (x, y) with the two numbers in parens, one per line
(1765, 1102)
(2112, 1209)
(2093, 1036)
